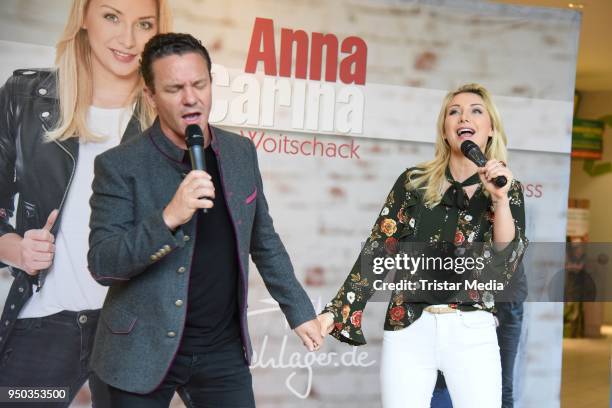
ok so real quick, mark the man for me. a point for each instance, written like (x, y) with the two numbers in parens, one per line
(175, 315)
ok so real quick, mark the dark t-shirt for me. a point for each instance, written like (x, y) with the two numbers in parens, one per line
(212, 303)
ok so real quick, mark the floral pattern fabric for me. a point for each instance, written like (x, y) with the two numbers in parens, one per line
(405, 219)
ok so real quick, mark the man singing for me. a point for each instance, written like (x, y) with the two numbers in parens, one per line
(175, 318)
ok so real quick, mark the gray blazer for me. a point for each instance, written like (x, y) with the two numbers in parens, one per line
(148, 267)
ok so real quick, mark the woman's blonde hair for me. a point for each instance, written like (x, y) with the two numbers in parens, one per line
(74, 81)
(430, 176)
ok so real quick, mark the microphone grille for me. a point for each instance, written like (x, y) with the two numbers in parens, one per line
(468, 146)
(194, 136)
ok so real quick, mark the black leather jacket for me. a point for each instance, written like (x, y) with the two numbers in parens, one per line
(40, 172)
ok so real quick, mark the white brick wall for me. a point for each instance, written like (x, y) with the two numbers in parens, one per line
(324, 207)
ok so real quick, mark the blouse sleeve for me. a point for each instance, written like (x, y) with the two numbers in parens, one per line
(348, 304)
(501, 265)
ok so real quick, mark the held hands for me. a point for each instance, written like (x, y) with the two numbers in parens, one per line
(310, 333)
(37, 248)
(326, 321)
(488, 173)
(195, 191)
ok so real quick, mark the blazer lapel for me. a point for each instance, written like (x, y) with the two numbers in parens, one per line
(228, 171)
(132, 129)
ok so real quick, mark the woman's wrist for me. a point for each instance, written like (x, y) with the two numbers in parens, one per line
(10, 250)
(328, 313)
(501, 202)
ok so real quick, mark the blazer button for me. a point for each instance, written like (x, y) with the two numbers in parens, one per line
(42, 91)
(186, 238)
(171, 334)
(167, 248)
(181, 269)
(45, 114)
(154, 257)
(178, 303)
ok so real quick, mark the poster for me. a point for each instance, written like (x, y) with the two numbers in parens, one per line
(333, 130)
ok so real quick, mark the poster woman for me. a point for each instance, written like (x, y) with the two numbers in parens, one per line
(53, 124)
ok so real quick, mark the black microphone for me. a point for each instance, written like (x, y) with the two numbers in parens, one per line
(472, 152)
(194, 138)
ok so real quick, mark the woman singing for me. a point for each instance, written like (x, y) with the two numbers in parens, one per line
(53, 124)
(446, 208)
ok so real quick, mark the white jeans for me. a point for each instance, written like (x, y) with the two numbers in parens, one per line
(463, 345)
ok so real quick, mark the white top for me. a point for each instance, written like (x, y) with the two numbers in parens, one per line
(69, 285)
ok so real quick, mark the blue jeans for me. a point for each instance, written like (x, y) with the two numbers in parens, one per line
(441, 398)
(53, 351)
(510, 315)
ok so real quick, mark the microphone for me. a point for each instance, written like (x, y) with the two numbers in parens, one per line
(472, 152)
(194, 138)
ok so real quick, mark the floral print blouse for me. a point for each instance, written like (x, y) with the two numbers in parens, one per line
(406, 226)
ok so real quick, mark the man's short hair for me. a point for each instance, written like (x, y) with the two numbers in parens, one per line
(163, 45)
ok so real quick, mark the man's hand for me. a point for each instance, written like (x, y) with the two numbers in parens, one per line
(195, 191)
(36, 249)
(326, 322)
(310, 333)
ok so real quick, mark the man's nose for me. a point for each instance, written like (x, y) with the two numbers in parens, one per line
(189, 96)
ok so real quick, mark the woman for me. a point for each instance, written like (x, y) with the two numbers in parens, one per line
(53, 124)
(447, 207)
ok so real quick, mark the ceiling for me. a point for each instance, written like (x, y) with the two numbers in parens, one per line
(594, 70)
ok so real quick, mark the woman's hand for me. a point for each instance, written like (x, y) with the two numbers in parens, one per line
(37, 248)
(310, 334)
(326, 320)
(503, 225)
(488, 173)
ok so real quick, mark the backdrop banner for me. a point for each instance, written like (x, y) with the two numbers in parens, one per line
(341, 96)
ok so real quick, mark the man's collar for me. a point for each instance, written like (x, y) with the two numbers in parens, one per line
(171, 151)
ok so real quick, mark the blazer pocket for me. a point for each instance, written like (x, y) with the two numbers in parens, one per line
(251, 197)
(118, 321)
